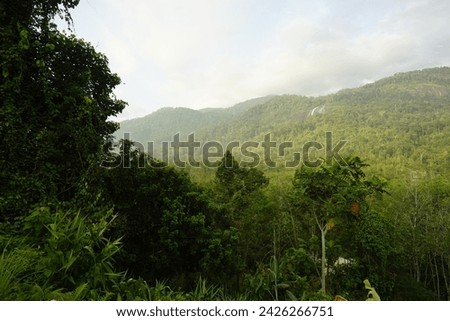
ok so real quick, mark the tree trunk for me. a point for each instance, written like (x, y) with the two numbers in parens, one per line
(438, 283)
(275, 265)
(444, 274)
(323, 232)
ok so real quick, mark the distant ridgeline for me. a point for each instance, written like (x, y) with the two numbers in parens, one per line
(400, 125)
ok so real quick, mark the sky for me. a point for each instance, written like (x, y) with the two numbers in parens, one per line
(216, 53)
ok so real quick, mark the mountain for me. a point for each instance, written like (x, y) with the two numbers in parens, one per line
(399, 124)
(164, 123)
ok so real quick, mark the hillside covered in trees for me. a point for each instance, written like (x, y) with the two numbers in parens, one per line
(84, 217)
(400, 123)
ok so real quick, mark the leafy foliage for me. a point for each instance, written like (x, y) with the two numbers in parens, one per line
(167, 221)
(137, 229)
(62, 256)
(56, 97)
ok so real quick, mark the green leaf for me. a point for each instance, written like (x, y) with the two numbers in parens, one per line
(291, 296)
(283, 286)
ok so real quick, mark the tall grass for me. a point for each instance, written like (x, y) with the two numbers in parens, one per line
(15, 267)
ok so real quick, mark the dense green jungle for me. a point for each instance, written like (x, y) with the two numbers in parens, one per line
(317, 197)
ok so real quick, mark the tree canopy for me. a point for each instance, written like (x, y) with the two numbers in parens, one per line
(57, 95)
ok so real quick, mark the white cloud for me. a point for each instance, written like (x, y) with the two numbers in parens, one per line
(206, 53)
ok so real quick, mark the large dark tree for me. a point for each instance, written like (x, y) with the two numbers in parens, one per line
(167, 222)
(56, 96)
(239, 194)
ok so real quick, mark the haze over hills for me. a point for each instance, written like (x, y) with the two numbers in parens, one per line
(399, 124)
(164, 123)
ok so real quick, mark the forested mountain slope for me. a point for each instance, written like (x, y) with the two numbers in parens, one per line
(400, 124)
(166, 122)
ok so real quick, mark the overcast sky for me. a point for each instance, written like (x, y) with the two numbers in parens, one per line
(215, 53)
